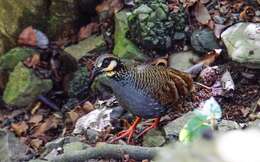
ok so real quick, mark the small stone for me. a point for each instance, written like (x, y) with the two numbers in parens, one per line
(11, 148)
(219, 19)
(94, 42)
(255, 124)
(179, 36)
(183, 60)
(242, 41)
(173, 128)
(204, 41)
(153, 138)
(227, 125)
(91, 135)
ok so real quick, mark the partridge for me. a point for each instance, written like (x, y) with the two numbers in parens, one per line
(146, 91)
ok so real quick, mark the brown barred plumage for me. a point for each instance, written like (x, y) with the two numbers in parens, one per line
(146, 91)
(165, 84)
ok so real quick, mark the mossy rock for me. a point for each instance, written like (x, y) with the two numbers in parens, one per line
(124, 48)
(204, 41)
(242, 41)
(24, 86)
(78, 88)
(16, 15)
(152, 25)
(92, 43)
(9, 60)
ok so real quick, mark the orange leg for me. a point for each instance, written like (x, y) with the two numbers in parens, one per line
(153, 125)
(129, 132)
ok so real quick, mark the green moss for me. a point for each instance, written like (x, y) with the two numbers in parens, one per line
(9, 60)
(24, 86)
(124, 48)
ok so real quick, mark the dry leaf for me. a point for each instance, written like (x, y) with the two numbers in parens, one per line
(160, 62)
(36, 144)
(36, 119)
(188, 3)
(73, 116)
(211, 57)
(201, 13)
(48, 124)
(88, 106)
(33, 61)
(112, 6)
(28, 37)
(87, 30)
(20, 128)
(247, 14)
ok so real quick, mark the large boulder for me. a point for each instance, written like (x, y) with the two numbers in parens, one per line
(16, 15)
(24, 86)
(242, 41)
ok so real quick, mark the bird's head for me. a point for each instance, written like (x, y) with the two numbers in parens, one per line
(106, 64)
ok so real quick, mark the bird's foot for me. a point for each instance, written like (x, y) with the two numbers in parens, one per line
(152, 125)
(127, 133)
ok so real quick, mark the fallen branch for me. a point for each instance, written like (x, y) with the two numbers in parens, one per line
(109, 151)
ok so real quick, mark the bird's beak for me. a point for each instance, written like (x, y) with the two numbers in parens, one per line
(94, 73)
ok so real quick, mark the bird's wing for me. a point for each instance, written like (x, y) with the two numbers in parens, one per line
(166, 85)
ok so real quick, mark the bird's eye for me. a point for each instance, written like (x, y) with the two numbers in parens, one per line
(106, 62)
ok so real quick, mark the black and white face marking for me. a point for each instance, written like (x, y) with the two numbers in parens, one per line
(105, 64)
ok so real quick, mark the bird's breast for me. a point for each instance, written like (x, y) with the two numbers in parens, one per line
(137, 102)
